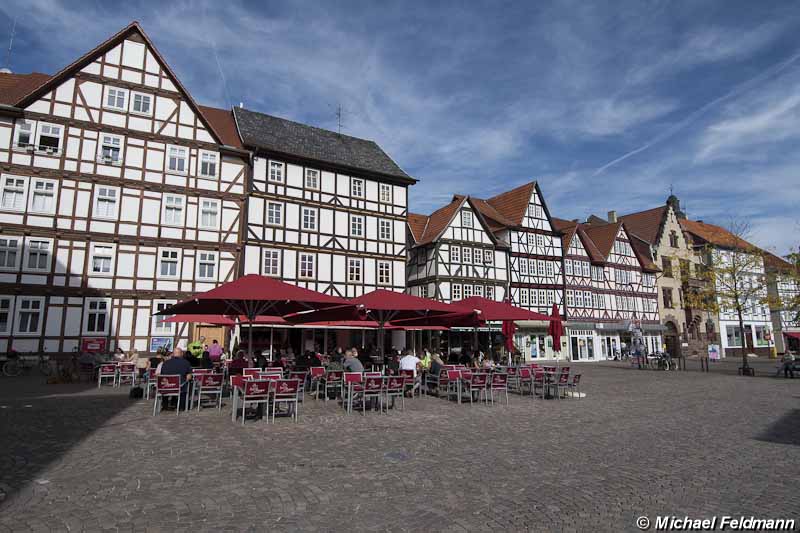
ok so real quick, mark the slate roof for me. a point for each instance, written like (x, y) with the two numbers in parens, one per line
(646, 224)
(267, 132)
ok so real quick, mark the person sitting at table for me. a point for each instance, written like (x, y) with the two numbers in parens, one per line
(411, 362)
(215, 351)
(465, 359)
(488, 363)
(178, 365)
(365, 356)
(351, 363)
(426, 359)
(238, 364)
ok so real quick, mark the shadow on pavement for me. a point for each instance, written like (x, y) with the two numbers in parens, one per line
(786, 430)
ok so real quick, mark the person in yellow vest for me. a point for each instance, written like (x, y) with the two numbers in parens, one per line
(426, 360)
(196, 349)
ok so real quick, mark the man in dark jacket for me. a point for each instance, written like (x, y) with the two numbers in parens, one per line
(178, 365)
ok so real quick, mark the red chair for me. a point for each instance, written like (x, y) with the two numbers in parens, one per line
(209, 385)
(107, 371)
(317, 375)
(333, 381)
(167, 387)
(286, 391)
(476, 383)
(394, 387)
(150, 383)
(538, 381)
(454, 383)
(373, 388)
(256, 392)
(412, 381)
(525, 380)
(300, 375)
(237, 384)
(513, 378)
(353, 383)
(251, 372)
(562, 384)
(443, 383)
(126, 371)
(499, 384)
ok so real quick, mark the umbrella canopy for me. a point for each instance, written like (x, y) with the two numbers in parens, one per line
(509, 328)
(221, 320)
(556, 328)
(469, 319)
(492, 310)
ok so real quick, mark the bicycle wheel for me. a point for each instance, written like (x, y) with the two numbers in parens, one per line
(12, 368)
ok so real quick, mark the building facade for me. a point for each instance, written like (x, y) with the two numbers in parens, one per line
(783, 288)
(119, 197)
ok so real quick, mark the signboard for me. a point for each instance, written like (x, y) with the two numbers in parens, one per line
(713, 352)
(157, 343)
(93, 344)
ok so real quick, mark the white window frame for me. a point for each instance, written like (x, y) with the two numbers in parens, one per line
(274, 254)
(165, 205)
(18, 309)
(467, 219)
(384, 267)
(87, 310)
(168, 159)
(524, 298)
(199, 261)
(202, 157)
(269, 214)
(357, 187)
(31, 144)
(361, 219)
(309, 219)
(355, 270)
(167, 328)
(120, 145)
(202, 209)
(112, 259)
(478, 290)
(32, 195)
(178, 261)
(534, 298)
(466, 255)
(9, 310)
(550, 268)
(455, 254)
(26, 259)
(102, 199)
(315, 175)
(307, 257)
(150, 102)
(523, 266)
(456, 293)
(118, 91)
(17, 249)
(531, 238)
(466, 290)
(490, 292)
(387, 225)
(488, 257)
(383, 197)
(40, 131)
(281, 171)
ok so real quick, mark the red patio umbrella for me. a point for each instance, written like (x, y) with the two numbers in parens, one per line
(221, 320)
(252, 296)
(556, 328)
(494, 311)
(509, 328)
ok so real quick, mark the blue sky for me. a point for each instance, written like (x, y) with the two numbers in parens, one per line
(605, 104)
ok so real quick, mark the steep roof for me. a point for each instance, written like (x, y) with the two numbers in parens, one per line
(13, 87)
(437, 222)
(603, 236)
(643, 252)
(568, 228)
(224, 124)
(702, 232)
(646, 224)
(495, 220)
(417, 224)
(513, 204)
(276, 134)
(778, 264)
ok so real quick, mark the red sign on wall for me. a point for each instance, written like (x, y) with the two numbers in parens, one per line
(93, 344)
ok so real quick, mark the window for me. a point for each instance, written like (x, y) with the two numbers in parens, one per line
(455, 254)
(384, 273)
(5, 315)
(570, 298)
(105, 202)
(49, 138)
(466, 219)
(37, 255)
(479, 290)
(209, 214)
(110, 149)
(207, 266)
(385, 230)
(524, 295)
(386, 193)
(541, 267)
(490, 293)
(568, 266)
(534, 298)
(673, 239)
(488, 257)
(761, 336)
(587, 298)
(549, 268)
(531, 239)
(115, 98)
(523, 266)
(356, 225)
(666, 266)
(539, 240)
(550, 298)
(160, 326)
(466, 255)
(102, 258)
(686, 268)
(734, 336)
(43, 196)
(309, 218)
(24, 134)
(456, 292)
(423, 291)
(312, 179)
(95, 316)
(168, 263)
(274, 213)
(29, 315)
(354, 270)
(578, 298)
(542, 297)
(276, 171)
(597, 273)
(357, 188)
(467, 289)
(307, 266)
(477, 256)
(177, 159)
(208, 164)
(142, 103)
(9, 252)
(173, 210)
(272, 262)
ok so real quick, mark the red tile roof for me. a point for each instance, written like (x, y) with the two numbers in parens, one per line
(494, 219)
(603, 236)
(13, 87)
(513, 204)
(438, 220)
(715, 235)
(417, 224)
(224, 124)
(646, 224)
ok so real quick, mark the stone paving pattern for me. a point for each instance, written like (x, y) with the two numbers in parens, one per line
(641, 443)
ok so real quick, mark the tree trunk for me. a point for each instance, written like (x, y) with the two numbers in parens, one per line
(744, 342)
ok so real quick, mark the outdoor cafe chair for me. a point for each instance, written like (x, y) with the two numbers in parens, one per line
(251, 371)
(286, 391)
(333, 382)
(150, 382)
(107, 371)
(256, 392)
(353, 383)
(412, 382)
(395, 388)
(454, 384)
(574, 386)
(126, 371)
(317, 374)
(562, 382)
(513, 378)
(167, 386)
(209, 385)
(525, 381)
(476, 384)
(373, 390)
(237, 384)
(442, 384)
(538, 381)
(499, 384)
(300, 375)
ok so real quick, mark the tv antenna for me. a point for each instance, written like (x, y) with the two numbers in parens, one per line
(10, 45)
(339, 117)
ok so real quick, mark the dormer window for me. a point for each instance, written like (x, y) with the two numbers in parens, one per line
(466, 219)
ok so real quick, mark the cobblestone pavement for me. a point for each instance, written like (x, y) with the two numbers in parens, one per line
(640, 443)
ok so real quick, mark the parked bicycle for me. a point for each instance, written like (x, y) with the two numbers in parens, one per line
(17, 364)
(662, 361)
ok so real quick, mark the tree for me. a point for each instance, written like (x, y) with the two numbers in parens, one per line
(735, 277)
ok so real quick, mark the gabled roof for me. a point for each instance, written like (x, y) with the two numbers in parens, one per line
(779, 264)
(13, 87)
(495, 220)
(513, 204)
(259, 130)
(703, 233)
(223, 122)
(417, 224)
(603, 236)
(643, 253)
(646, 224)
(569, 229)
(437, 222)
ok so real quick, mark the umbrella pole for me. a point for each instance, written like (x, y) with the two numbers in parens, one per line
(250, 337)
(271, 336)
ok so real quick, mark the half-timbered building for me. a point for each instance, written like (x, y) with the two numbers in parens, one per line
(119, 195)
(784, 294)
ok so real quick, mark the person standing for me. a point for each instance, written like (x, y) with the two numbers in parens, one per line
(788, 365)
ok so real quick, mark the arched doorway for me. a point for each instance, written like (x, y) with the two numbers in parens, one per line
(672, 340)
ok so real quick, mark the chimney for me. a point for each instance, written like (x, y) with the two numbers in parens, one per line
(612, 216)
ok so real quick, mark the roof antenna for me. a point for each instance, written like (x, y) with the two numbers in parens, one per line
(339, 117)
(7, 67)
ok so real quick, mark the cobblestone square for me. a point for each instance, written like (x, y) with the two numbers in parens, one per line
(641, 443)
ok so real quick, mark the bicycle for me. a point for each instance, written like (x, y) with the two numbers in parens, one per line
(17, 364)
